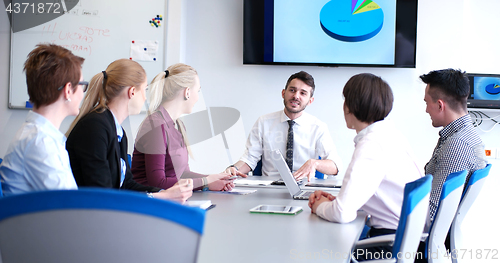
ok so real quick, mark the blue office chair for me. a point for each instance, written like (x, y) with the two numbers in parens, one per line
(411, 223)
(97, 225)
(472, 189)
(451, 194)
(1, 193)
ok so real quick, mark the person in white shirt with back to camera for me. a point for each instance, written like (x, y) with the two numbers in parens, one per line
(381, 165)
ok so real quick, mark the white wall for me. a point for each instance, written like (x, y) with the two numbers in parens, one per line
(451, 33)
(214, 46)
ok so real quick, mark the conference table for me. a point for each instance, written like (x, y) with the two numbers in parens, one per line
(233, 234)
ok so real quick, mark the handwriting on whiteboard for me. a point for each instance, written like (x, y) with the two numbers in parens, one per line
(76, 40)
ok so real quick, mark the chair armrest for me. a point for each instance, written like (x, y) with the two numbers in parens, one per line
(385, 240)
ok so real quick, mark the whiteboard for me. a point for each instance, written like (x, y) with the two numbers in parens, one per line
(99, 31)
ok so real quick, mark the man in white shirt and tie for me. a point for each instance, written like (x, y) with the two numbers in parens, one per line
(303, 140)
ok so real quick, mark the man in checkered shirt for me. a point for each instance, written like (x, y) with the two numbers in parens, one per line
(459, 146)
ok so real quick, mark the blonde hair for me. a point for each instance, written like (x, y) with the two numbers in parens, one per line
(166, 85)
(164, 88)
(107, 85)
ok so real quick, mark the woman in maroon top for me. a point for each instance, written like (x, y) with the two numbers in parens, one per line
(161, 153)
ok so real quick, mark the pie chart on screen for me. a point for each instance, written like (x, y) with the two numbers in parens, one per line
(492, 89)
(351, 20)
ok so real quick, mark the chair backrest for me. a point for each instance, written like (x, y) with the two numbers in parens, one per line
(470, 193)
(412, 219)
(1, 193)
(451, 194)
(97, 225)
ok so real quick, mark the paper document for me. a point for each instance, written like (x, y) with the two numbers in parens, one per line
(144, 50)
(235, 191)
(203, 204)
(252, 182)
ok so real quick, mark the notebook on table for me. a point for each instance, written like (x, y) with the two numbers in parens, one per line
(286, 175)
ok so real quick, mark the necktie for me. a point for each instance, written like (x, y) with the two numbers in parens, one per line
(289, 146)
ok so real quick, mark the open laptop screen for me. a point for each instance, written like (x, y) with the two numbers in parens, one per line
(285, 173)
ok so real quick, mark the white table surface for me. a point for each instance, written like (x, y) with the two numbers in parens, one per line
(233, 234)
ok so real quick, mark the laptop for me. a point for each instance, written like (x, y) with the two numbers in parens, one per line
(287, 177)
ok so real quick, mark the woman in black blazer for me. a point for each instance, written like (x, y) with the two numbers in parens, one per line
(97, 144)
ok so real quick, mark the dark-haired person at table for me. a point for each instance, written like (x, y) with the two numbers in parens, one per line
(161, 150)
(97, 144)
(380, 167)
(459, 146)
(300, 137)
(36, 158)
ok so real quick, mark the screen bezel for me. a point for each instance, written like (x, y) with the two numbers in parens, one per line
(259, 13)
(481, 104)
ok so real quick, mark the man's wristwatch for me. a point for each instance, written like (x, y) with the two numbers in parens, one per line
(232, 165)
(150, 195)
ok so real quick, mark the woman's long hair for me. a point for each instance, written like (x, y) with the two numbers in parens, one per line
(166, 85)
(107, 85)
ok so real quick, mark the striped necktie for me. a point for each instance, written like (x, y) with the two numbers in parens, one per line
(289, 146)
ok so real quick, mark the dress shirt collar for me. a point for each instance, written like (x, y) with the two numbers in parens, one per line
(166, 116)
(376, 126)
(300, 120)
(119, 130)
(45, 124)
(454, 126)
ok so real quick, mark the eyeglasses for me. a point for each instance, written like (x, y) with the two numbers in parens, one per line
(85, 85)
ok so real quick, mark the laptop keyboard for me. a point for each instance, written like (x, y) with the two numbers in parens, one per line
(304, 195)
(307, 194)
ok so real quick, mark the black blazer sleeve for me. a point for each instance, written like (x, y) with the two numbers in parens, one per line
(95, 154)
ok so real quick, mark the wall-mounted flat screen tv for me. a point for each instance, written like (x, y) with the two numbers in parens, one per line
(380, 33)
(484, 91)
